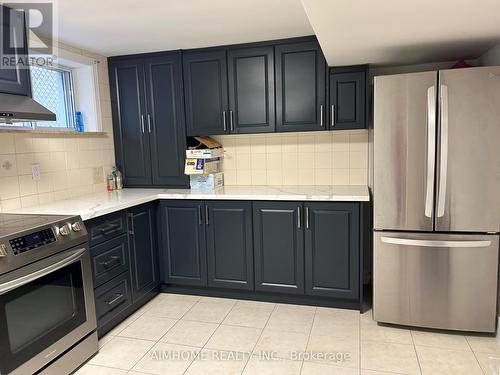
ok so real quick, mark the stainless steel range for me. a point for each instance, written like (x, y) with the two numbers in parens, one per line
(47, 313)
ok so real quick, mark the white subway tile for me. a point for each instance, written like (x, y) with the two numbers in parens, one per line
(10, 204)
(7, 145)
(9, 188)
(27, 186)
(8, 165)
(274, 177)
(259, 177)
(243, 177)
(23, 143)
(306, 177)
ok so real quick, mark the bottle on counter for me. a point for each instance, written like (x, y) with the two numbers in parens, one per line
(110, 183)
(117, 178)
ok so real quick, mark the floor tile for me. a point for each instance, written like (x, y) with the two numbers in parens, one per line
(334, 325)
(256, 305)
(124, 324)
(248, 316)
(170, 308)
(371, 330)
(122, 353)
(104, 340)
(257, 366)
(340, 314)
(291, 319)
(490, 363)
(342, 352)
(485, 344)
(190, 333)
(440, 340)
(212, 362)
(389, 357)
(208, 312)
(313, 368)
(148, 328)
(168, 359)
(232, 338)
(372, 372)
(282, 343)
(437, 361)
(89, 369)
(177, 297)
(224, 301)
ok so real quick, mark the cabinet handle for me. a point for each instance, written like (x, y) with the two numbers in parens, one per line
(307, 217)
(111, 262)
(149, 123)
(200, 215)
(333, 115)
(299, 224)
(108, 228)
(131, 230)
(206, 214)
(224, 120)
(142, 123)
(115, 299)
(231, 120)
(321, 115)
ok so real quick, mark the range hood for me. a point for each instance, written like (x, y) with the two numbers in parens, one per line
(18, 108)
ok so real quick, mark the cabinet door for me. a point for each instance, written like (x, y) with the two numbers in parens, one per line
(347, 101)
(205, 90)
(143, 249)
(129, 122)
(300, 87)
(165, 119)
(251, 90)
(15, 80)
(278, 247)
(332, 249)
(229, 244)
(183, 243)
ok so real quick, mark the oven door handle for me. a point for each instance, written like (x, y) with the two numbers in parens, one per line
(23, 280)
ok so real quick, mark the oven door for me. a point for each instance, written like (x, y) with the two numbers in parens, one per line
(45, 308)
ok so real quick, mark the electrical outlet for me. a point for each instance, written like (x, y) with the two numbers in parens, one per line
(98, 175)
(35, 171)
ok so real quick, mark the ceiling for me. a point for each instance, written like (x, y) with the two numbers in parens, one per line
(115, 27)
(397, 32)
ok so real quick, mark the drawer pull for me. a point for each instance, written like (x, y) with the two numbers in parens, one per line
(114, 260)
(109, 228)
(116, 298)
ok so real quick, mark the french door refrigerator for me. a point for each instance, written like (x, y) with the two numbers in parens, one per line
(436, 194)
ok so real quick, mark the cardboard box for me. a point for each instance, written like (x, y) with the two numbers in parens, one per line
(206, 182)
(207, 148)
(201, 166)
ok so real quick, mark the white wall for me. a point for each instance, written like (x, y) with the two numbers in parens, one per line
(491, 57)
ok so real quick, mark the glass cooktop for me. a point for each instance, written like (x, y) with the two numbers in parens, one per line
(15, 223)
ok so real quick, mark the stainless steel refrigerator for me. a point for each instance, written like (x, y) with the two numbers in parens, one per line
(436, 187)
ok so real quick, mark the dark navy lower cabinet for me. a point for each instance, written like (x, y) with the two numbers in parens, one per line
(332, 249)
(229, 244)
(279, 247)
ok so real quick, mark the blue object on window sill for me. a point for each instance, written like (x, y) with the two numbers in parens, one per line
(79, 122)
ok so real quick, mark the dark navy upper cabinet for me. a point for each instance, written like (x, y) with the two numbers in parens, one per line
(332, 249)
(15, 79)
(347, 94)
(278, 247)
(300, 87)
(251, 90)
(205, 92)
(148, 119)
(229, 244)
(165, 119)
(184, 257)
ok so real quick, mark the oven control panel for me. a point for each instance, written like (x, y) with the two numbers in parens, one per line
(32, 241)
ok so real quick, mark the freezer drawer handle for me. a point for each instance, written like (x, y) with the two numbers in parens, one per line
(433, 243)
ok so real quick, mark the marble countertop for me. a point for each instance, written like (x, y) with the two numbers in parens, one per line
(98, 204)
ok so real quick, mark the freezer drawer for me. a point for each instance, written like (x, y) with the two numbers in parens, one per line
(436, 280)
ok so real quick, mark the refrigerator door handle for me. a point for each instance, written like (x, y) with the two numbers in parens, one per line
(443, 157)
(434, 243)
(431, 149)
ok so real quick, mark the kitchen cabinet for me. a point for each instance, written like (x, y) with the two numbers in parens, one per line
(148, 119)
(16, 80)
(229, 244)
(300, 87)
(279, 247)
(332, 249)
(143, 249)
(347, 95)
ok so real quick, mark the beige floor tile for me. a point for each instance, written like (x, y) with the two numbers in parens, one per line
(186, 332)
(258, 366)
(89, 369)
(371, 330)
(224, 301)
(170, 308)
(333, 325)
(490, 363)
(313, 368)
(485, 344)
(177, 297)
(440, 340)
(389, 357)
(339, 314)
(104, 340)
(232, 338)
(282, 343)
(166, 358)
(291, 319)
(256, 305)
(122, 353)
(212, 362)
(372, 372)
(124, 324)
(148, 328)
(437, 361)
(248, 316)
(208, 312)
(342, 352)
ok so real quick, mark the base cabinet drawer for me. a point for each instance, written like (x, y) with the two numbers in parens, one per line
(107, 227)
(109, 259)
(112, 298)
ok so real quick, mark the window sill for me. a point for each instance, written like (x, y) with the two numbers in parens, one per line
(71, 133)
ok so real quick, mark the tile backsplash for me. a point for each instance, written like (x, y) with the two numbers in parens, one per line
(309, 158)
